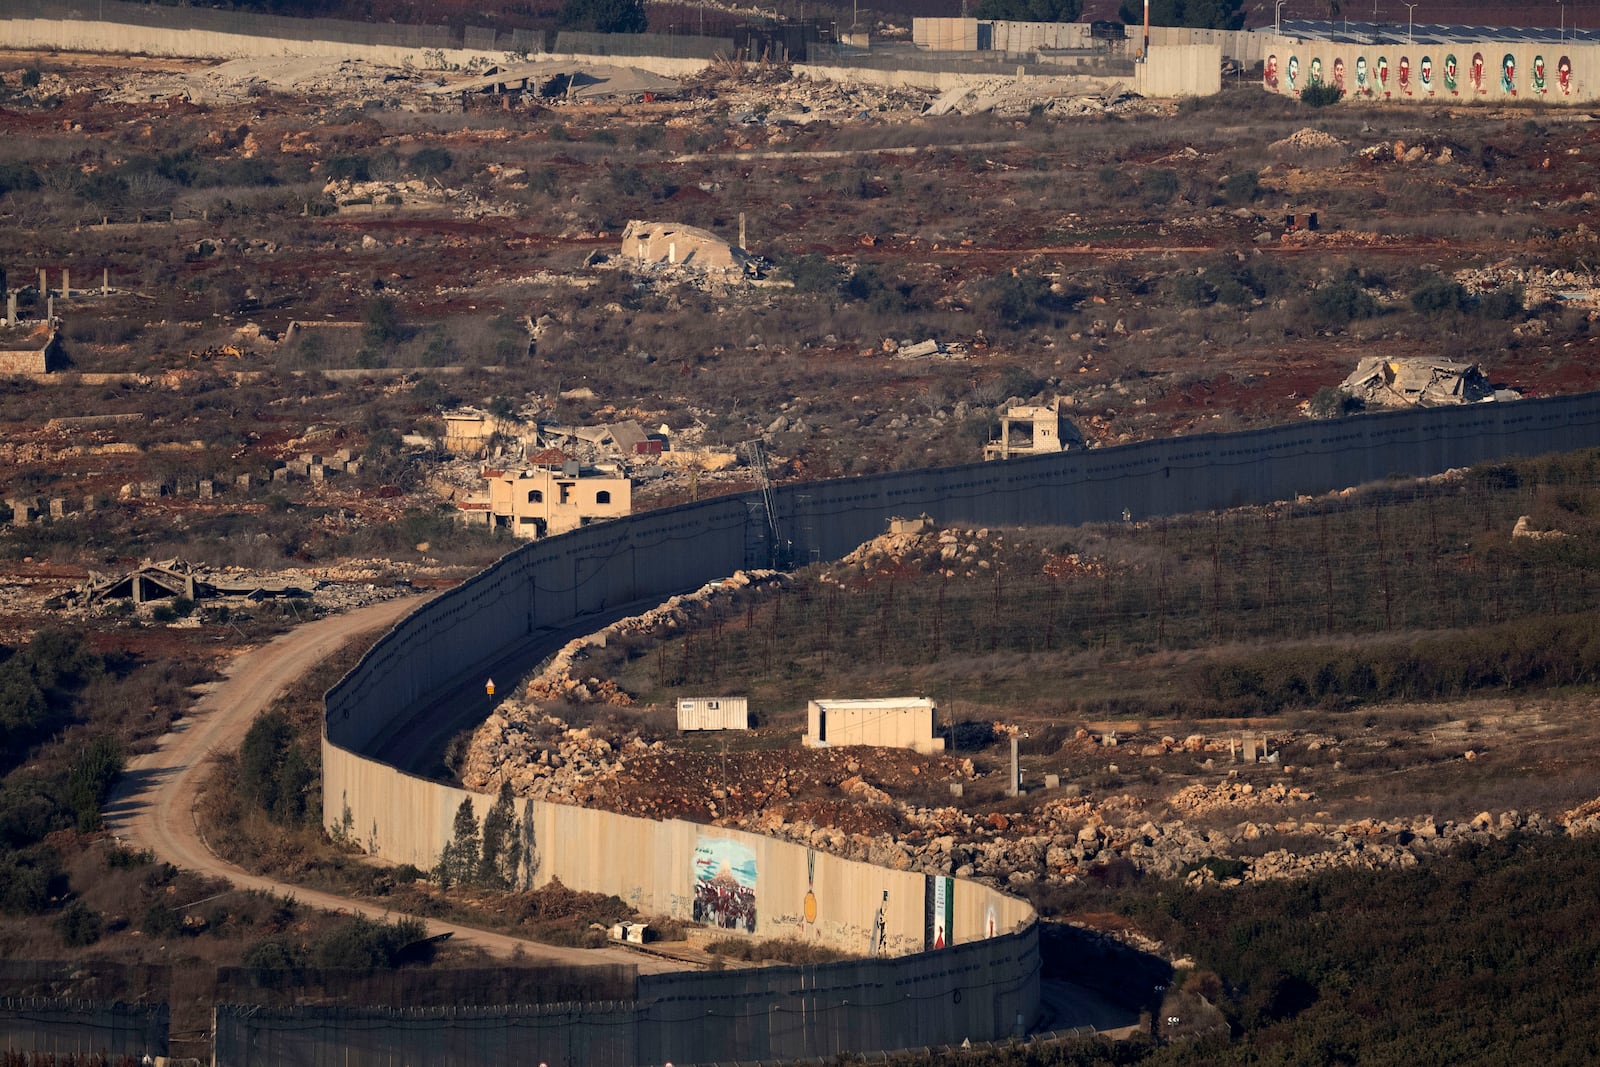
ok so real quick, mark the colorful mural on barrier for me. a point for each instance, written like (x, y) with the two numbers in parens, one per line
(941, 911)
(1530, 74)
(725, 884)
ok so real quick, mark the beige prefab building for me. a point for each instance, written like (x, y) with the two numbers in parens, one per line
(713, 713)
(542, 501)
(889, 722)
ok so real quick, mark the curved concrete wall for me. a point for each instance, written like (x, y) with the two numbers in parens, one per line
(549, 586)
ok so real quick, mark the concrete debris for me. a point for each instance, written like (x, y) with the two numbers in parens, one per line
(1306, 140)
(1417, 382)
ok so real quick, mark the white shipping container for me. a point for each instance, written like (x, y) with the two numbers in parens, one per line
(713, 713)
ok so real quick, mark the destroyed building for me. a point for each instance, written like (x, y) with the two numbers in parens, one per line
(674, 244)
(1416, 382)
(549, 498)
(1033, 430)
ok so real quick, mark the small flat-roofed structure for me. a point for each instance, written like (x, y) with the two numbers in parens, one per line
(887, 722)
(713, 713)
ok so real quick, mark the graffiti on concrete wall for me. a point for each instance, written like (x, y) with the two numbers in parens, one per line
(1366, 76)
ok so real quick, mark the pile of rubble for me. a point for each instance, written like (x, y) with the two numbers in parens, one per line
(1306, 139)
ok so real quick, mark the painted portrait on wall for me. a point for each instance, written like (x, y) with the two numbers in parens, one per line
(1477, 73)
(1269, 73)
(1361, 76)
(1564, 75)
(1536, 81)
(1450, 80)
(1338, 73)
(1405, 75)
(1314, 78)
(1425, 75)
(1293, 73)
(1508, 75)
(1383, 75)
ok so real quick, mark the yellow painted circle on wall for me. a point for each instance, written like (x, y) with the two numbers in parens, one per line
(811, 907)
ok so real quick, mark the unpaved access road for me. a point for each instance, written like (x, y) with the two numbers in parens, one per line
(153, 805)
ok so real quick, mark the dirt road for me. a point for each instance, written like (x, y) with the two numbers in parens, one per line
(153, 806)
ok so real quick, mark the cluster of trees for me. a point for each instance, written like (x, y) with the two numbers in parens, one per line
(499, 854)
(277, 773)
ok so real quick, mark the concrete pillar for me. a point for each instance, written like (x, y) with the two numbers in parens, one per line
(672, 252)
(50, 310)
(1016, 772)
(105, 281)
(4, 291)
(11, 309)
(44, 283)
(66, 284)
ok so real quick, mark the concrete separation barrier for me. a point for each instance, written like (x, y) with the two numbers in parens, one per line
(553, 586)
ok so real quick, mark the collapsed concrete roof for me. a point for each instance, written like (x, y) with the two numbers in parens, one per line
(673, 243)
(1417, 382)
(573, 81)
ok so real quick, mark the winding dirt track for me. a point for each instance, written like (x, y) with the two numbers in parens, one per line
(153, 805)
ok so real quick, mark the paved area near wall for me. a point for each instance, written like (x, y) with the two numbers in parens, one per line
(153, 806)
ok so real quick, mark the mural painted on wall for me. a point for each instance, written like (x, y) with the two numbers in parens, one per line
(1269, 73)
(1477, 73)
(1314, 80)
(1362, 84)
(1405, 75)
(725, 884)
(1564, 75)
(1450, 80)
(1425, 75)
(1508, 75)
(1536, 83)
(940, 912)
(1383, 75)
(1338, 73)
(1294, 73)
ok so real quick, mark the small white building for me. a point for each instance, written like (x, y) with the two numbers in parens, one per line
(888, 722)
(713, 713)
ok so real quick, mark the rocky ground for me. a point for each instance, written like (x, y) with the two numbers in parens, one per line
(1253, 801)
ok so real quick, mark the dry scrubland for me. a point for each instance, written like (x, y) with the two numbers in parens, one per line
(1131, 261)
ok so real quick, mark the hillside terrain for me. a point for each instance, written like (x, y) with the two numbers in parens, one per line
(285, 275)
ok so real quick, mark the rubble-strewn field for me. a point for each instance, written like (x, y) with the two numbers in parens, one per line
(293, 284)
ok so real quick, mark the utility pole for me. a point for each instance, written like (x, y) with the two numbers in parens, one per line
(1409, 8)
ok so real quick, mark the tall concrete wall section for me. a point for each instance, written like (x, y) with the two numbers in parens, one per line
(1458, 72)
(775, 1013)
(1180, 70)
(772, 888)
(945, 34)
(740, 882)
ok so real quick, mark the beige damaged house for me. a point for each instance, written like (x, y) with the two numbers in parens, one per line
(1033, 430)
(1417, 382)
(550, 497)
(674, 244)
